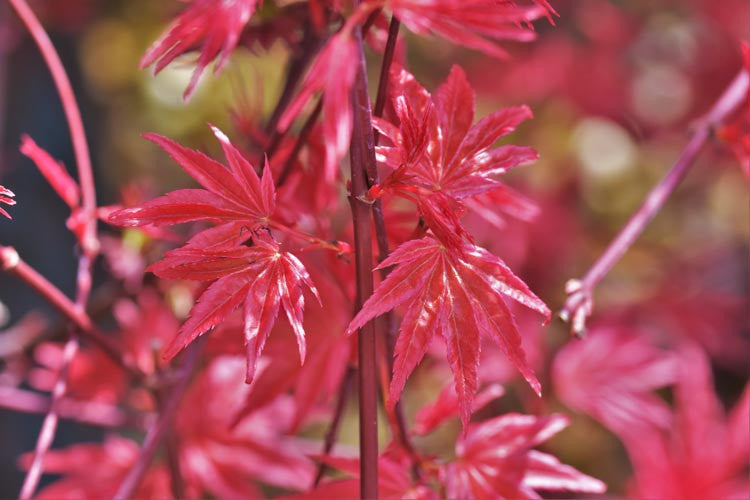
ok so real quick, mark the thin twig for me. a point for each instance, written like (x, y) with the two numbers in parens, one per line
(362, 155)
(158, 431)
(304, 134)
(579, 304)
(85, 412)
(49, 425)
(90, 243)
(345, 390)
(12, 263)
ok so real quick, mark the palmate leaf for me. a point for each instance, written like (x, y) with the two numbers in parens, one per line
(234, 198)
(459, 293)
(215, 25)
(496, 460)
(261, 278)
(444, 162)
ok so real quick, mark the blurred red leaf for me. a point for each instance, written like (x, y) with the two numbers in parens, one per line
(612, 376)
(214, 24)
(495, 459)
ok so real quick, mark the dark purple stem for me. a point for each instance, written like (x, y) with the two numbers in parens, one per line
(345, 390)
(159, 430)
(579, 304)
(362, 155)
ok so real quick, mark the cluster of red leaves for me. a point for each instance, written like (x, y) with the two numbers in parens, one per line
(261, 277)
(494, 459)
(218, 456)
(447, 284)
(232, 430)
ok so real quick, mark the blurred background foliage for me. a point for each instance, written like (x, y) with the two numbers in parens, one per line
(614, 87)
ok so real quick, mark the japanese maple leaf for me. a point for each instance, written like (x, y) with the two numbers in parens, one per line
(95, 470)
(439, 157)
(221, 459)
(612, 377)
(6, 196)
(458, 293)
(261, 278)
(496, 460)
(215, 25)
(477, 24)
(234, 199)
(705, 453)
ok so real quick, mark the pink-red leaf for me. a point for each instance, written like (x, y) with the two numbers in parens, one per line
(235, 198)
(216, 24)
(461, 295)
(495, 459)
(52, 170)
(261, 277)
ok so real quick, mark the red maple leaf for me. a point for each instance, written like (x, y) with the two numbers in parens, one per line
(6, 196)
(704, 454)
(95, 470)
(495, 460)
(612, 377)
(332, 73)
(459, 293)
(234, 199)
(260, 276)
(440, 157)
(477, 24)
(223, 458)
(215, 24)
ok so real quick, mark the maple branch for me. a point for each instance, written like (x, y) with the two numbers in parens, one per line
(171, 445)
(85, 412)
(12, 263)
(579, 303)
(333, 429)
(158, 431)
(311, 45)
(304, 134)
(362, 156)
(89, 243)
(312, 240)
(49, 425)
(387, 322)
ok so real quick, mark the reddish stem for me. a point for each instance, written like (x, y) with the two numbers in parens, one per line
(12, 263)
(49, 426)
(304, 134)
(362, 156)
(330, 438)
(86, 412)
(579, 304)
(90, 243)
(159, 430)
